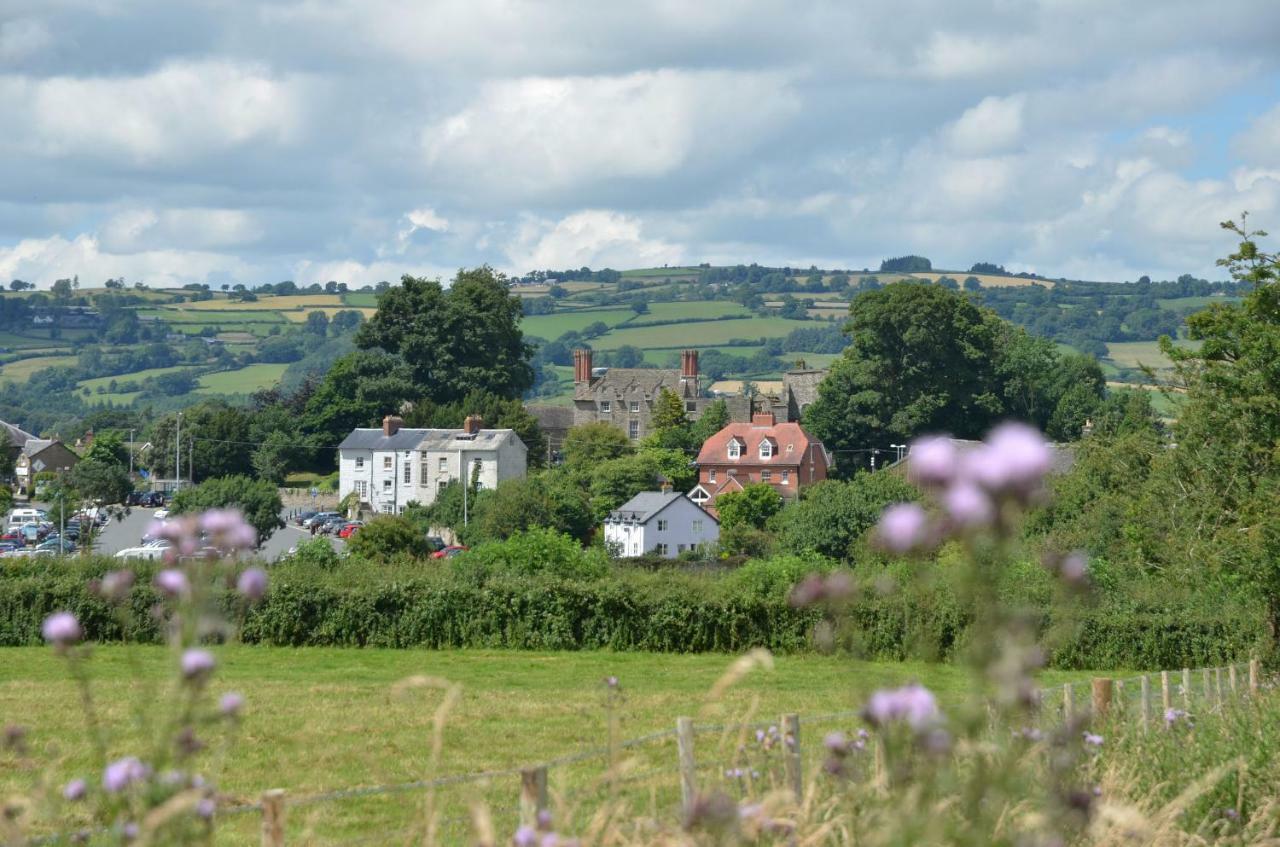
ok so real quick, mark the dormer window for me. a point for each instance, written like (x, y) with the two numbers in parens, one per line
(766, 449)
(735, 448)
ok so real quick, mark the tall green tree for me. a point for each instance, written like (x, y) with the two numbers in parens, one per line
(359, 390)
(751, 507)
(586, 445)
(257, 499)
(454, 341)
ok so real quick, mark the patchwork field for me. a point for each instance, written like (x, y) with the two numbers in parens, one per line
(1133, 354)
(242, 381)
(272, 303)
(323, 719)
(708, 333)
(987, 280)
(137, 376)
(551, 327)
(21, 370)
(301, 316)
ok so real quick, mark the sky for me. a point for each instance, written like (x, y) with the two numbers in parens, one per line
(220, 142)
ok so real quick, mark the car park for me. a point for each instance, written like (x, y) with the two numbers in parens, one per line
(305, 515)
(319, 518)
(435, 543)
(149, 550)
(161, 514)
(332, 525)
(56, 545)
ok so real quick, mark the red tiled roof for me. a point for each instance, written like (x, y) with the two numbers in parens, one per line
(715, 450)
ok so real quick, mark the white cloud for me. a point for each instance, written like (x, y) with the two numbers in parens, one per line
(21, 38)
(43, 260)
(1260, 143)
(415, 220)
(594, 237)
(139, 229)
(176, 113)
(540, 133)
(995, 124)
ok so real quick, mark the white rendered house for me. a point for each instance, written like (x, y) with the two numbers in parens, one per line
(661, 523)
(391, 467)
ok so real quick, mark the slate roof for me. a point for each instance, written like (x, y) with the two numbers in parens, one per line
(35, 445)
(552, 417)
(618, 382)
(425, 439)
(644, 506)
(17, 436)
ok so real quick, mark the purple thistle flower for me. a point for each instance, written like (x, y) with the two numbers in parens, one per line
(1014, 459)
(116, 585)
(197, 664)
(122, 773)
(252, 583)
(1074, 567)
(231, 704)
(74, 790)
(205, 808)
(549, 840)
(912, 704)
(1092, 740)
(217, 521)
(525, 836)
(903, 528)
(968, 505)
(836, 742)
(129, 831)
(61, 629)
(173, 583)
(933, 460)
(544, 820)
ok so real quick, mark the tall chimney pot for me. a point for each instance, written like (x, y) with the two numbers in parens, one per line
(582, 365)
(391, 425)
(473, 424)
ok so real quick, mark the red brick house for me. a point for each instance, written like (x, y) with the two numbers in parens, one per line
(780, 454)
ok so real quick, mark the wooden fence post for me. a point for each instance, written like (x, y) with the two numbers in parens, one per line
(1101, 696)
(688, 766)
(1208, 687)
(533, 794)
(1217, 685)
(791, 762)
(273, 818)
(1068, 704)
(1145, 701)
(1253, 677)
(1120, 702)
(1166, 700)
(1231, 674)
(1186, 689)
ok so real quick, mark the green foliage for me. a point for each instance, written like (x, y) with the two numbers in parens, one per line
(101, 482)
(753, 506)
(110, 448)
(588, 444)
(538, 550)
(614, 482)
(518, 505)
(454, 341)
(668, 411)
(776, 576)
(358, 390)
(316, 554)
(832, 516)
(257, 499)
(388, 537)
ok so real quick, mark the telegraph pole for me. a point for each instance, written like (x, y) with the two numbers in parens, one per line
(177, 454)
(131, 454)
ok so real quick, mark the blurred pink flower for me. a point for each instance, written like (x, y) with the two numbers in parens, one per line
(968, 505)
(934, 460)
(252, 583)
(912, 704)
(61, 629)
(197, 664)
(173, 583)
(903, 528)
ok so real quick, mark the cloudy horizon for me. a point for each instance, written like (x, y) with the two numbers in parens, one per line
(319, 140)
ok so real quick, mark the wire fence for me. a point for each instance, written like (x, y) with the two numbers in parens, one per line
(659, 774)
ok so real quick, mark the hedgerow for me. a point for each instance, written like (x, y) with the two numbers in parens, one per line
(449, 604)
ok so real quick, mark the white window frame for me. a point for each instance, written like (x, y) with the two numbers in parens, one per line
(766, 449)
(735, 449)
(408, 473)
(633, 429)
(606, 407)
(786, 477)
(663, 524)
(766, 476)
(696, 526)
(386, 462)
(635, 406)
(359, 462)
(660, 549)
(442, 464)
(711, 475)
(386, 485)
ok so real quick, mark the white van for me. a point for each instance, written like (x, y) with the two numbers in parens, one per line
(18, 517)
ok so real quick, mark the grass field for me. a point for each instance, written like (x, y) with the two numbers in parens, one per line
(22, 370)
(1131, 354)
(660, 357)
(552, 327)
(136, 376)
(243, 381)
(1181, 303)
(301, 316)
(322, 719)
(710, 333)
(361, 299)
(269, 303)
(227, 315)
(678, 310)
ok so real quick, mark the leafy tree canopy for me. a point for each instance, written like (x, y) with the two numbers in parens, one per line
(257, 499)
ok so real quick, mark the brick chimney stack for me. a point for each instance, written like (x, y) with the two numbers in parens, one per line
(689, 365)
(582, 365)
(391, 425)
(473, 424)
(763, 419)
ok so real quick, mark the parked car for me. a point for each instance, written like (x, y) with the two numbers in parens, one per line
(435, 543)
(305, 515)
(8, 546)
(55, 545)
(450, 551)
(319, 518)
(333, 525)
(349, 529)
(161, 514)
(149, 550)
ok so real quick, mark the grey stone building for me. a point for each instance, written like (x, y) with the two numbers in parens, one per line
(625, 397)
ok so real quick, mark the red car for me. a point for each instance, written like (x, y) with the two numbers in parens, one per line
(449, 552)
(349, 530)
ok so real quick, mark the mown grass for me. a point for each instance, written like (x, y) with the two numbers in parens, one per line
(553, 326)
(1132, 354)
(321, 719)
(134, 376)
